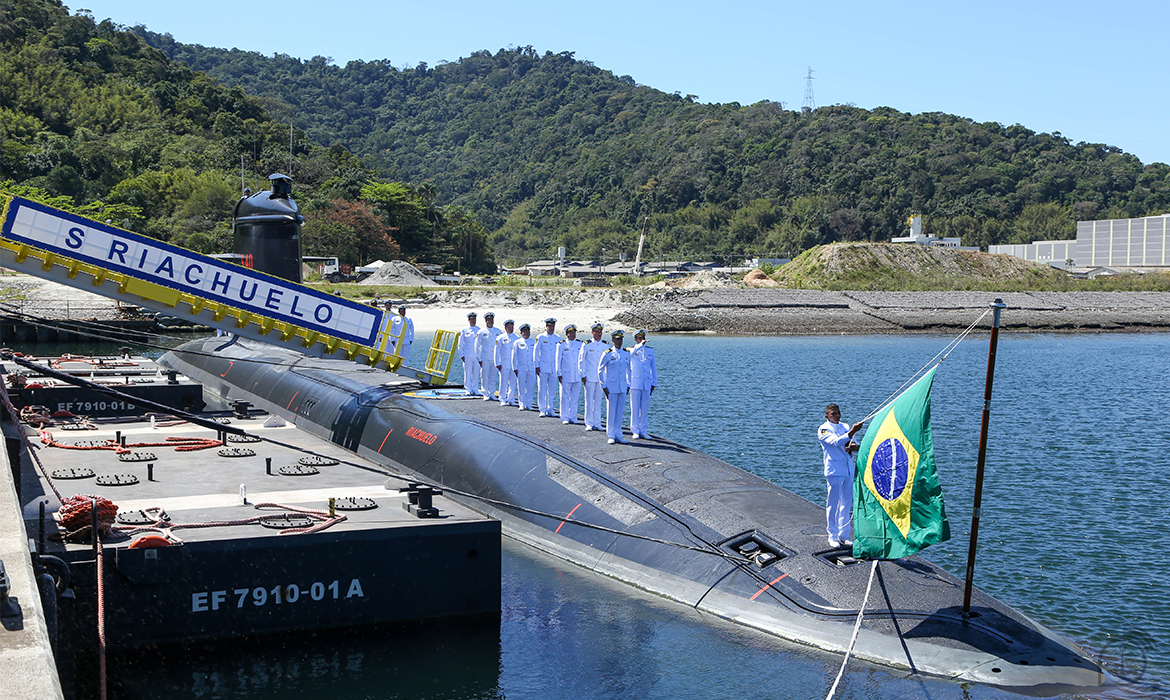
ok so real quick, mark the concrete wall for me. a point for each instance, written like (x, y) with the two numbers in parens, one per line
(1143, 242)
(1053, 253)
(29, 669)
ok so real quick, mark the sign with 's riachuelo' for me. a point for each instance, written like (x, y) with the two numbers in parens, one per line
(144, 258)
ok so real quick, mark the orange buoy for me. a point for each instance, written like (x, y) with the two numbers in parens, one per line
(150, 541)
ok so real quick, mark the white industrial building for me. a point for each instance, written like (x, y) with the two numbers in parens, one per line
(1118, 244)
(916, 237)
(1054, 253)
(1124, 242)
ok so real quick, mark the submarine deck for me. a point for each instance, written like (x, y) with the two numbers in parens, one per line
(824, 580)
(911, 596)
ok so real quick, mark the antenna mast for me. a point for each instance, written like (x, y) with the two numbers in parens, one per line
(809, 103)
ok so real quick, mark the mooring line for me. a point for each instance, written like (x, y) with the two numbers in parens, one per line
(856, 629)
(936, 360)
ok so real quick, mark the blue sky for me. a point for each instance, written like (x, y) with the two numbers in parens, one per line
(1091, 72)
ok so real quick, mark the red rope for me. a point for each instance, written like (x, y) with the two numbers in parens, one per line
(101, 596)
(181, 444)
(166, 528)
(76, 516)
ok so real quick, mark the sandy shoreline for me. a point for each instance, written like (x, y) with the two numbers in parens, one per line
(428, 320)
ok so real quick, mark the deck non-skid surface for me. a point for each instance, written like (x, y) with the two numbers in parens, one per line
(200, 486)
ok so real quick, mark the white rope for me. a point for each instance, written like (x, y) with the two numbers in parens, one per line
(940, 356)
(856, 629)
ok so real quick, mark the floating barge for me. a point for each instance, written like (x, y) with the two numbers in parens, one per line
(225, 535)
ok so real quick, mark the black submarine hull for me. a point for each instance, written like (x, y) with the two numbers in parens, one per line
(656, 515)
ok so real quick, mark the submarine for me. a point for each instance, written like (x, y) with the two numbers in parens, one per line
(654, 514)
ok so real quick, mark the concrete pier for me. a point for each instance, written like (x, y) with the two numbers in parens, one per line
(30, 672)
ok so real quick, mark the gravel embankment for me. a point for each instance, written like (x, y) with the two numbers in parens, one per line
(729, 311)
(796, 312)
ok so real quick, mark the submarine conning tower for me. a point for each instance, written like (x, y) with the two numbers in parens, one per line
(266, 230)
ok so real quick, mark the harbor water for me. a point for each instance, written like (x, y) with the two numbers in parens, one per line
(1070, 534)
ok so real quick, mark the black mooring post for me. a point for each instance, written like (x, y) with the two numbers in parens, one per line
(998, 306)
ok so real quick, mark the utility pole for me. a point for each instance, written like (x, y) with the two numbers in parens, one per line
(641, 240)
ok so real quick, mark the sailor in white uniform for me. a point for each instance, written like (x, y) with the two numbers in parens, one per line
(546, 368)
(485, 349)
(407, 336)
(591, 352)
(524, 366)
(643, 379)
(466, 351)
(614, 373)
(503, 361)
(836, 442)
(569, 373)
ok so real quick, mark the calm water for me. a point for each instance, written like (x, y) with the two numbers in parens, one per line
(1071, 533)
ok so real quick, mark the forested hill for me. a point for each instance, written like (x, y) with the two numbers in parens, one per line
(551, 150)
(526, 151)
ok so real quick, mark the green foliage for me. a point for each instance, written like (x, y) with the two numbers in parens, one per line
(349, 230)
(541, 146)
(512, 154)
(1046, 221)
(448, 236)
(96, 121)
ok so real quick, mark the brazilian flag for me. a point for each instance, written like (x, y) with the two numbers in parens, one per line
(897, 502)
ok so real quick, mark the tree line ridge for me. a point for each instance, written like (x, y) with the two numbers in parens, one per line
(505, 156)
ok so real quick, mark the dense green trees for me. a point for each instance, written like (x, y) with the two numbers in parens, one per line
(95, 119)
(541, 146)
(514, 153)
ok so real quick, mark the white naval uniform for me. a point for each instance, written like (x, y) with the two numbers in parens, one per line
(485, 349)
(839, 476)
(591, 352)
(503, 360)
(407, 336)
(524, 369)
(545, 357)
(569, 377)
(614, 373)
(395, 329)
(643, 378)
(466, 351)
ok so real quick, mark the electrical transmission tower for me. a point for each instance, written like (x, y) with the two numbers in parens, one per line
(809, 103)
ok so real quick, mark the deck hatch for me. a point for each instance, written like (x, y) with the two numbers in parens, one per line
(841, 556)
(756, 547)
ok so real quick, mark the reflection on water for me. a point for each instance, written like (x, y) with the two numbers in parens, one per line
(456, 660)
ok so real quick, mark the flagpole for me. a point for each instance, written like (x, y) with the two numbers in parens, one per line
(998, 306)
